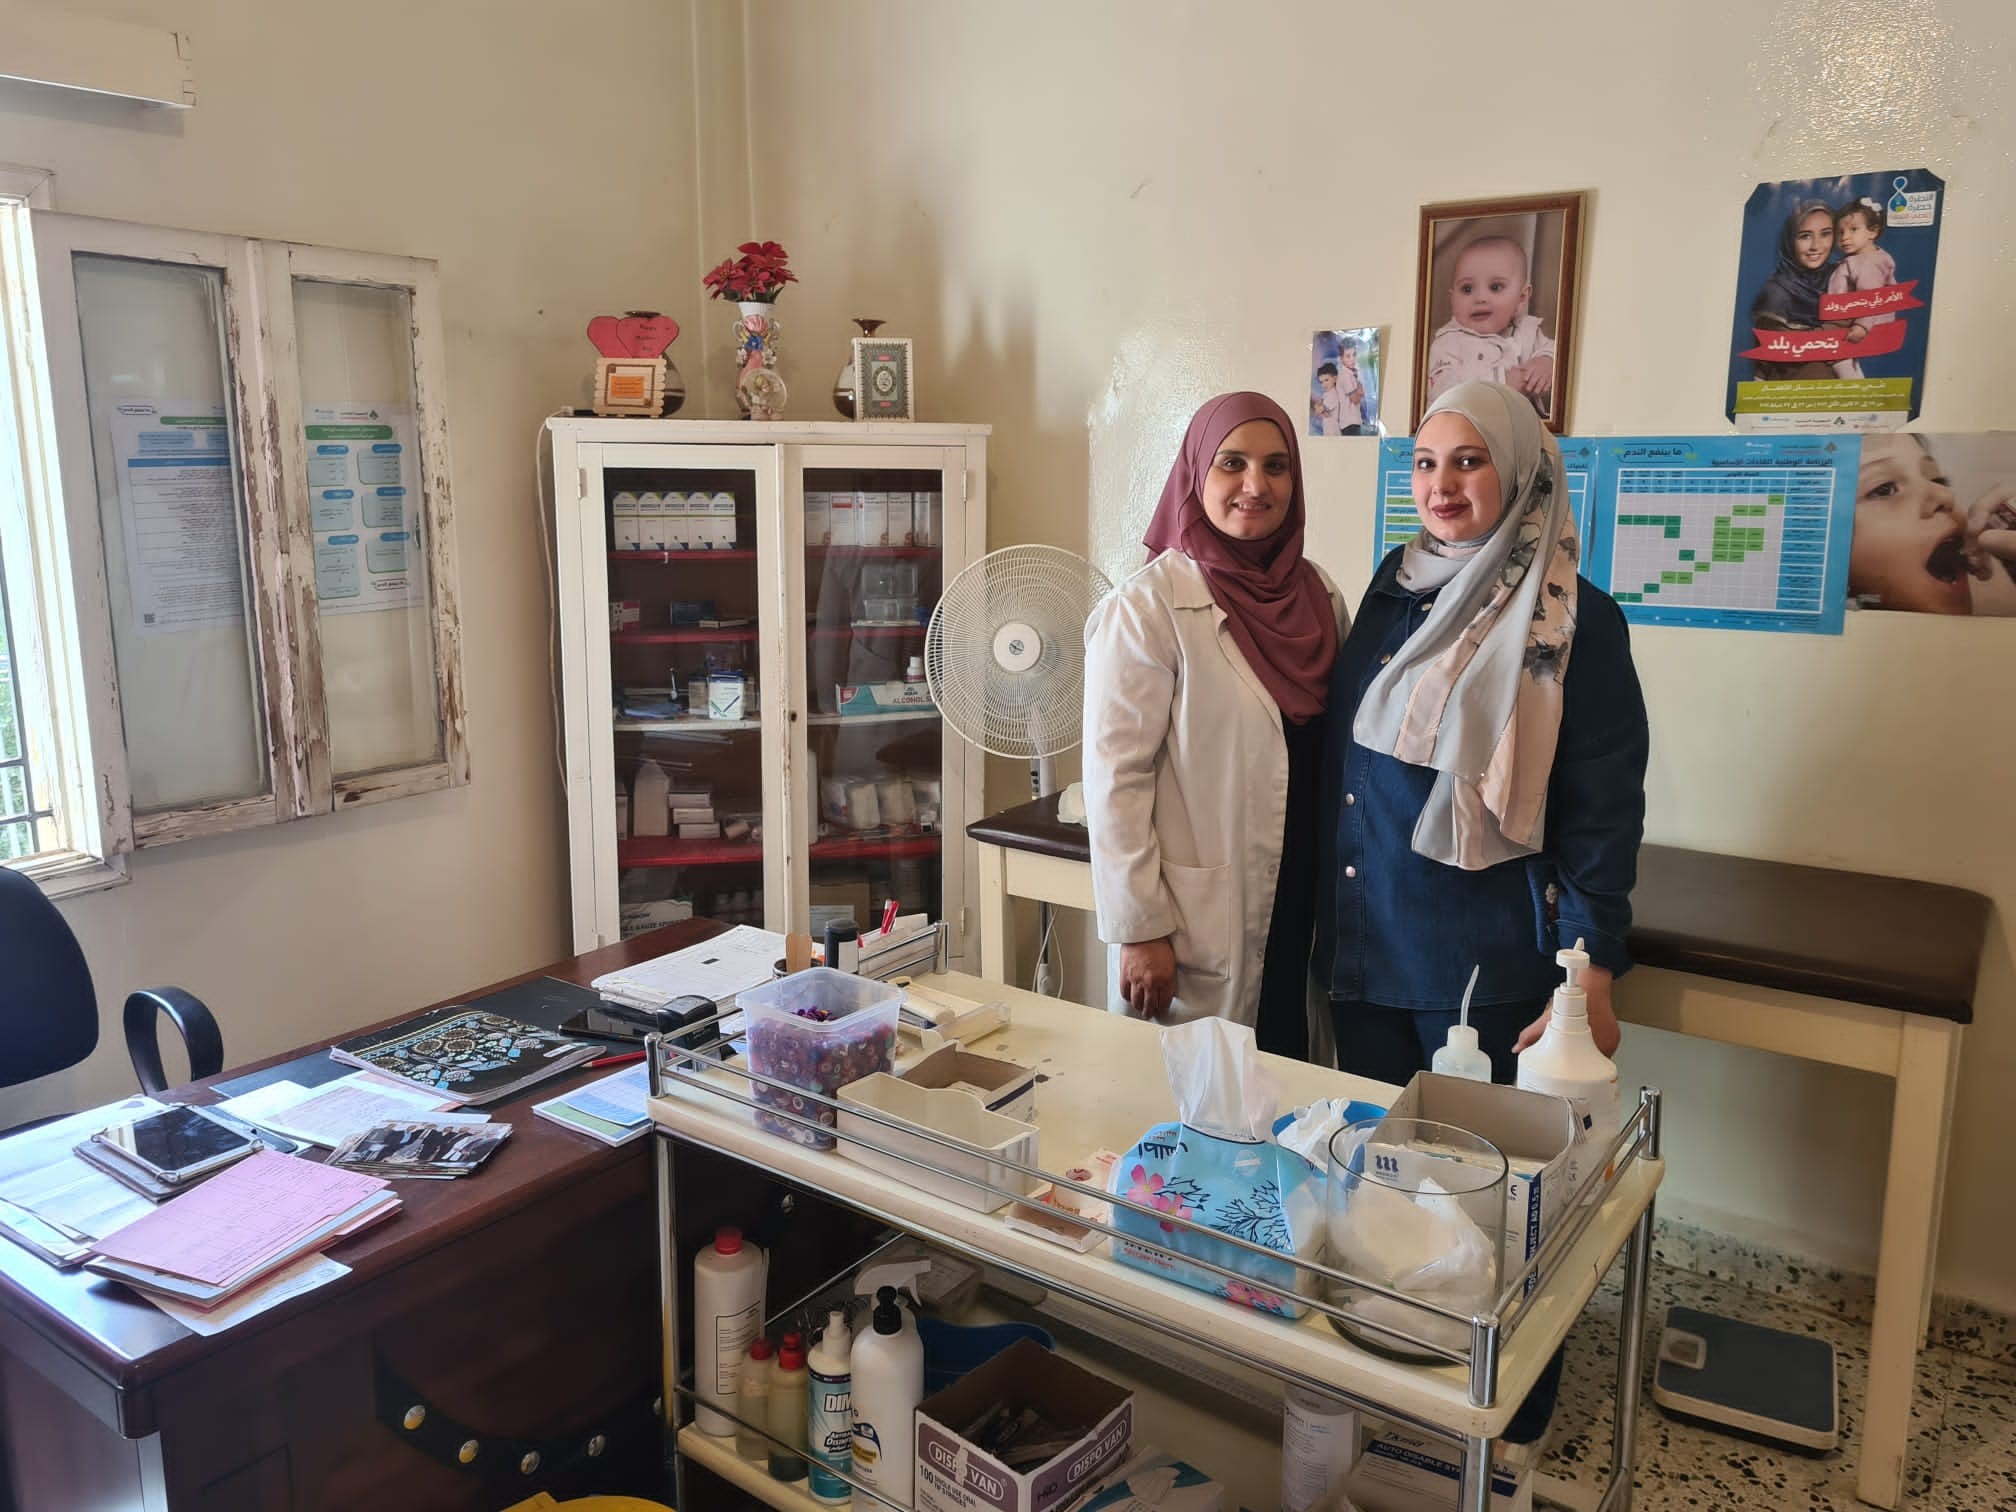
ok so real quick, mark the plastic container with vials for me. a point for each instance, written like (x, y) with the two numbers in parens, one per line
(855, 1038)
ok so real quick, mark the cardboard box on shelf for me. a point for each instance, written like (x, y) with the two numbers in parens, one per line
(818, 517)
(721, 521)
(871, 519)
(955, 1475)
(902, 522)
(1534, 1132)
(623, 535)
(1404, 1471)
(625, 614)
(842, 514)
(882, 697)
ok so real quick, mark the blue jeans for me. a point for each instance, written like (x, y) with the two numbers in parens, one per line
(1390, 1045)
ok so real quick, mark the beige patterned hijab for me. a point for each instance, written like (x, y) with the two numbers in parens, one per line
(1475, 693)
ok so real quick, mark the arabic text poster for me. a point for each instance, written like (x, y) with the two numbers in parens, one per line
(1833, 299)
(364, 507)
(179, 514)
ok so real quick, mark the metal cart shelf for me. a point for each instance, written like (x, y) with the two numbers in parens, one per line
(1104, 1085)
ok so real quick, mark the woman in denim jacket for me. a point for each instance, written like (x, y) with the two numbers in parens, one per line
(1485, 788)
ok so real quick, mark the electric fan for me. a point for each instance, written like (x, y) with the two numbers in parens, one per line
(1005, 662)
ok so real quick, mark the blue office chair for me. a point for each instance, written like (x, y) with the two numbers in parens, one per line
(49, 1011)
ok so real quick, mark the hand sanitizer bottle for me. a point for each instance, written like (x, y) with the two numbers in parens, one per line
(1461, 1056)
(829, 1412)
(1566, 1062)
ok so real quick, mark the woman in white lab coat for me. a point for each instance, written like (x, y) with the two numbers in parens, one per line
(1205, 682)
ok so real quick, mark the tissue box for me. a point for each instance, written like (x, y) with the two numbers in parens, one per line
(1533, 1130)
(954, 1476)
(1156, 1482)
(1253, 1190)
(1402, 1471)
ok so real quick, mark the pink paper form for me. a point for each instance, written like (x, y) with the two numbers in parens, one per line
(239, 1218)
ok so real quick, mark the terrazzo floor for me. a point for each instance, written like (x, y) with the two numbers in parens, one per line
(1963, 1445)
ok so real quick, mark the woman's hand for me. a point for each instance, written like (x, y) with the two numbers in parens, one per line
(1148, 977)
(1857, 331)
(1991, 529)
(1603, 1025)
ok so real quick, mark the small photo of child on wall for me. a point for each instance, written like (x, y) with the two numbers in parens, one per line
(1833, 300)
(1345, 367)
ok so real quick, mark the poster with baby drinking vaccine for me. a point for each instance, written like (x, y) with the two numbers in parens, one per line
(1833, 300)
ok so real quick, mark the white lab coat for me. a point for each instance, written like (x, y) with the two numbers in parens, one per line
(1186, 787)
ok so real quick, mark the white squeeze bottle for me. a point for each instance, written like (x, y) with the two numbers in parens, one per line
(1461, 1056)
(1566, 1062)
(829, 1410)
(888, 1368)
(727, 1315)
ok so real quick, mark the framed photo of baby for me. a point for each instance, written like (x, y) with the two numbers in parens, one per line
(1496, 299)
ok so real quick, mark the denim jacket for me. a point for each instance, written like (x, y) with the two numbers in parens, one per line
(1395, 928)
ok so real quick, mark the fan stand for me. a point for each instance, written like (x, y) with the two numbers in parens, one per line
(1045, 983)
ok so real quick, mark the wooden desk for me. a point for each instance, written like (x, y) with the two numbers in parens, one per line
(1876, 973)
(518, 1304)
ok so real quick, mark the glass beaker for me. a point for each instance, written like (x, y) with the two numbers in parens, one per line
(1417, 1207)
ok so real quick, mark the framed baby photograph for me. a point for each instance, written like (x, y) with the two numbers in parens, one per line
(1495, 299)
(884, 382)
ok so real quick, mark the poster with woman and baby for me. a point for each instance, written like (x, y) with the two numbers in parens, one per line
(1833, 298)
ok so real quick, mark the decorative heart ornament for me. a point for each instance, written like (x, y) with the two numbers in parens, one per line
(639, 333)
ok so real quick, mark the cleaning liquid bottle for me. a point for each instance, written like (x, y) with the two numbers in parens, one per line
(888, 1371)
(752, 1401)
(728, 1279)
(829, 1410)
(788, 1397)
(1566, 1062)
(1461, 1057)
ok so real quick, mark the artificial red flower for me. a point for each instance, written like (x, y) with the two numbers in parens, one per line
(760, 273)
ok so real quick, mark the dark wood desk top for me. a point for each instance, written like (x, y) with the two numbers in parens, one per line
(1884, 941)
(89, 1324)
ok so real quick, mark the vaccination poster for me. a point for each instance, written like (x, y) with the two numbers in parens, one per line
(1833, 298)
(363, 503)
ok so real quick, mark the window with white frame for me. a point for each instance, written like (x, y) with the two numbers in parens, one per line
(225, 537)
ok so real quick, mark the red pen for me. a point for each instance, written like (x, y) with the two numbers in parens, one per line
(624, 1058)
(888, 916)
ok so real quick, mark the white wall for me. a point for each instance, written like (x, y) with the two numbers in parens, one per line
(1092, 217)
(550, 169)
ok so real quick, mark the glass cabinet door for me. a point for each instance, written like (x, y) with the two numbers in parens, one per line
(874, 552)
(695, 709)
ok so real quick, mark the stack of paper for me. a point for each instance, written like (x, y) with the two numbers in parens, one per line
(262, 1214)
(333, 1112)
(611, 1110)
(719, 968)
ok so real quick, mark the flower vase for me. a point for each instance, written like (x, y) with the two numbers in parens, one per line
(759, 387)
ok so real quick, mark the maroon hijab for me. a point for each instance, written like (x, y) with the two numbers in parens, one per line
(1275, 603)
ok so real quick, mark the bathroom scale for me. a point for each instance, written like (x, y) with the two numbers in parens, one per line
(1760, 1381)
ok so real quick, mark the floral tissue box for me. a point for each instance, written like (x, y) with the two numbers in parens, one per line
(1253, 1190)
